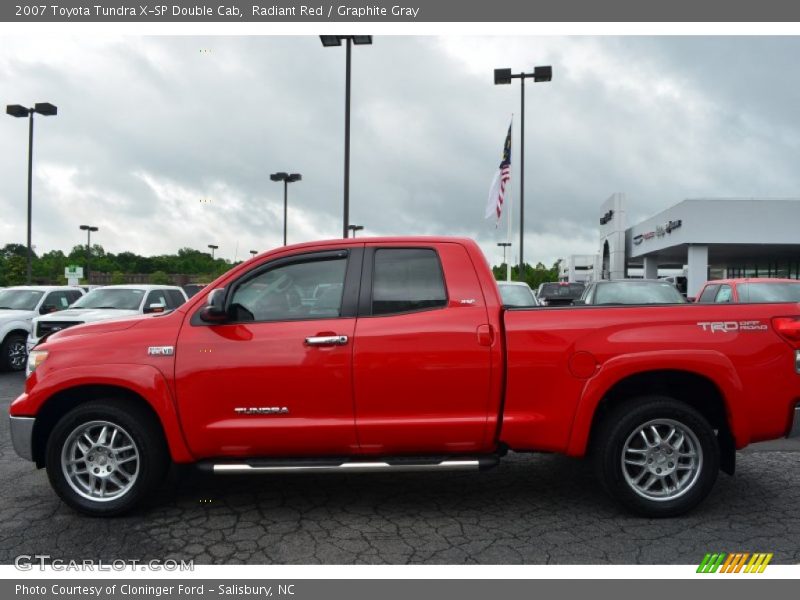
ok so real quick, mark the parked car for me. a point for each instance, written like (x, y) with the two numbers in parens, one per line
(192, 288)
(722, 291)
(108, 302)
(18, 306)
(517, 294)
(559, 293)
(632, 291)
(416, 367)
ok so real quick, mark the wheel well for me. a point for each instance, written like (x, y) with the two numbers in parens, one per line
(696, 390)
(13, 331)
(64, 401)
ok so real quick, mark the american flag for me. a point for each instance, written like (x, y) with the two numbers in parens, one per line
(497, 194)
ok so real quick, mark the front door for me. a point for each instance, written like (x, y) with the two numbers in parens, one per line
(275, 379)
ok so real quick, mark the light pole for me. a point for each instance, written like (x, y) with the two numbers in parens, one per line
(253, 252)
(503, 77)
(213, 247)
(88, 229)
(327, 42)
(16, 110)
(508, 266)
(286, 179)
(355, 228)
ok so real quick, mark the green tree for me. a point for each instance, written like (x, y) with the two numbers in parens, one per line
(117, 278)
(159, 278)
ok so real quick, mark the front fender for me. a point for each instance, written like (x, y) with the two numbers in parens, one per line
(144, 380)
(10, 326)
(710, 364)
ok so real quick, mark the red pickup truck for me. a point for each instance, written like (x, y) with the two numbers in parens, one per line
(396, 354)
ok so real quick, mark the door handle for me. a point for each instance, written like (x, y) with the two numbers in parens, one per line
(326, 340)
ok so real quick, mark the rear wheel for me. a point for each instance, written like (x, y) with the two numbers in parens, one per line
(657, 455)
(13, 353)
(104, 457)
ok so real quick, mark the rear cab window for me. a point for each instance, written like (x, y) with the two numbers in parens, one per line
(406, 280)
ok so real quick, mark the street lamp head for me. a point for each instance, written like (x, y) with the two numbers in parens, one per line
(502, 76)
(542, 74)
(294, 177)
(253, 252)
(89, 228)
(331, 40)
(213, 246)
(504, 244)
(355, 227)
(280, 176)
(17, 110)
(46, 109)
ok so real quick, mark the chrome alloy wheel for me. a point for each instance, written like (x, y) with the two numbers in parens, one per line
(17, 355)
(100, 461)
(662, 459)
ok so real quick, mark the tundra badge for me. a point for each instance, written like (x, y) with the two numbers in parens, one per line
(262, 410)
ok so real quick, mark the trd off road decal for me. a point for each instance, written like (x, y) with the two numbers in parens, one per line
(732, 326)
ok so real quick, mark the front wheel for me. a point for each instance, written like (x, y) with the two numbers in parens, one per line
(13, 353)
(657, 456)
(104, 457)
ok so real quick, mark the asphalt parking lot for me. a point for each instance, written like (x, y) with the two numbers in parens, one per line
(539, 509)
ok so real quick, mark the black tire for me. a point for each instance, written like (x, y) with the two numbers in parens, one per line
(133, 421)
(13, 352)
(622, 426)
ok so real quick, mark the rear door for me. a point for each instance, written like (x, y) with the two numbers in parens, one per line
(421, 356)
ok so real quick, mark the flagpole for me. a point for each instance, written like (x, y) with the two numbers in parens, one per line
(509, 210)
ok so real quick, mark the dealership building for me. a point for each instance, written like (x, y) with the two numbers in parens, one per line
(708, 238)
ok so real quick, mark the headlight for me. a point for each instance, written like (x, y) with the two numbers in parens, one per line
(35, 358)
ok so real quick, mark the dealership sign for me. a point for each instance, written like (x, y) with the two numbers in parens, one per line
(606, 218)
(660, 231)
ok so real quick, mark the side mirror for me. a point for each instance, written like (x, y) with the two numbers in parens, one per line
(214, 310)
(154, 308)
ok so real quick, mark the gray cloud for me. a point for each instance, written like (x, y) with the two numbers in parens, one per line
(148, 127)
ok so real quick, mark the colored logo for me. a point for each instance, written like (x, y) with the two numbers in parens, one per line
(737, 562)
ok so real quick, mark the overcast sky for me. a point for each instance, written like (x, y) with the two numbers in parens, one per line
(166, 142)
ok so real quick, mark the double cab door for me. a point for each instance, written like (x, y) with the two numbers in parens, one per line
(372, 349)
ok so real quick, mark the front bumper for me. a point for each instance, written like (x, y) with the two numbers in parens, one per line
(22, 435)
(795, 430)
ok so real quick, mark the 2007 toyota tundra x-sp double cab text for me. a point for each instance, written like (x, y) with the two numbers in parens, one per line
(396, 354)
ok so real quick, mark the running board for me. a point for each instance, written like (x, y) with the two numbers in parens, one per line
(401, 465)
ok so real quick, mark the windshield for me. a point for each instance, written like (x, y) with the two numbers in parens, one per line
(632, 292)
(111, 298)
(562, 290)
(769, 292)
(19, 299)
(517, 295)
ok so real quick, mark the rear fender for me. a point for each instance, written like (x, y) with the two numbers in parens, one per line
(710, 364)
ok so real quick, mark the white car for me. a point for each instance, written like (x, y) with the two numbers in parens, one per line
(517, 293)
(18, 307)
(109, 302)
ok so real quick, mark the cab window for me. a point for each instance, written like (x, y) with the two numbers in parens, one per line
(709, 293)
(407, 280)
(724, 295)
(310, 289)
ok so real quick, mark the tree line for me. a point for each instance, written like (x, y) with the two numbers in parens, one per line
(48, 268)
